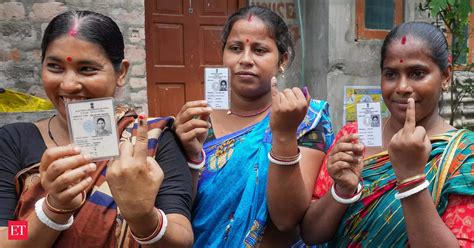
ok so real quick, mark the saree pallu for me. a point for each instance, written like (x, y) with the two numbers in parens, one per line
(230, 209)
(98, 223)
(377, 218)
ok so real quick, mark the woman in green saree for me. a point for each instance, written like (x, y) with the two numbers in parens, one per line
(417, 189)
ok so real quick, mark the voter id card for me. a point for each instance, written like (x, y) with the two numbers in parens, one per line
(92, 127)
(369, 124)
(217, 87)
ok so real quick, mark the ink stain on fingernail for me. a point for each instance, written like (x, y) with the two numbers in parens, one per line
(404, 40)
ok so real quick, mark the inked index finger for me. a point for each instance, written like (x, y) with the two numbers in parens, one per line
(306, 94)
(410, 119)
(276, 98)
(274, 85)
(141, 144)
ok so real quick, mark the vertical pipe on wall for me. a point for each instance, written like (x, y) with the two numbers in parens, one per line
(303, 48)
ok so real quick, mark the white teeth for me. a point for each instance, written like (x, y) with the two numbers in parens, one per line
(68, 99)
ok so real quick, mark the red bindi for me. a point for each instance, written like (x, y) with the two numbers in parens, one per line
(401, 60)
(250, 18)
(247, 40)
(404, 40)
(69, 59)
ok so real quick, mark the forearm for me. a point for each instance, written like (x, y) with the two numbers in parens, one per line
(288, 195)
(423, 223)
(178, 231)
(322, 219)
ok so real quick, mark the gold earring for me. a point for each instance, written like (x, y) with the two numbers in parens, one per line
(282, 71)
(445, 87)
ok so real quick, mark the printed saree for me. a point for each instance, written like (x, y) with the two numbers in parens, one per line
(377, 218)
(230, 209)
(98, 223)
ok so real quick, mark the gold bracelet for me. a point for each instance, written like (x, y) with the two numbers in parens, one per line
(406, 180)
(65, 211)
(155, 233)
(283, 158)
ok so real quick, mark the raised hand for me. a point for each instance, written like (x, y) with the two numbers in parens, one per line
(410, 147)
(345, 163)
(135, 178)
(64, 176)
(191, 126)
(289, 108)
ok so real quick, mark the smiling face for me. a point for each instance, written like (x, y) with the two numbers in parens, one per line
(74, 69)
(253, 58)
(409, 72)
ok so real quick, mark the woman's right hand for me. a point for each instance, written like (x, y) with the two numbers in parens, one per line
(191, 126)
(345, 163)
(64, 174)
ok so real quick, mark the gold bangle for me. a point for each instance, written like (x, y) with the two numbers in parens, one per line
(157, 230)
(283, 158)
(65, 211)
(409, 179)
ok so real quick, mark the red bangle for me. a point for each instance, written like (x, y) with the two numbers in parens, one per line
(192, 161)
(403, 185)
(352, 195)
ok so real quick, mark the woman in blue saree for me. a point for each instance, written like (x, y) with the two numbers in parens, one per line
(242, 199)
(418, 189)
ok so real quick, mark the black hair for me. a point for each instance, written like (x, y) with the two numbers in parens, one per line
(275, 24)
(90, 26)
(100, 119)
(433, 38)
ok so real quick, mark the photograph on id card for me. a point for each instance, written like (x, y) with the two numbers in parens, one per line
(369, 124)
(217, 87)
(92, 127)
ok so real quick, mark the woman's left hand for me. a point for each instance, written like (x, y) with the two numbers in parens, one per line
(135, 178)
(289, 108)
(410, 147)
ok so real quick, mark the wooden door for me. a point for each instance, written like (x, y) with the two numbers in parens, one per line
(182, 37)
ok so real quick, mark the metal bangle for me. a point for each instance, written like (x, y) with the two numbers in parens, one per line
(413, 191)
(47, 221)
(65, 211)
(278, 162)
